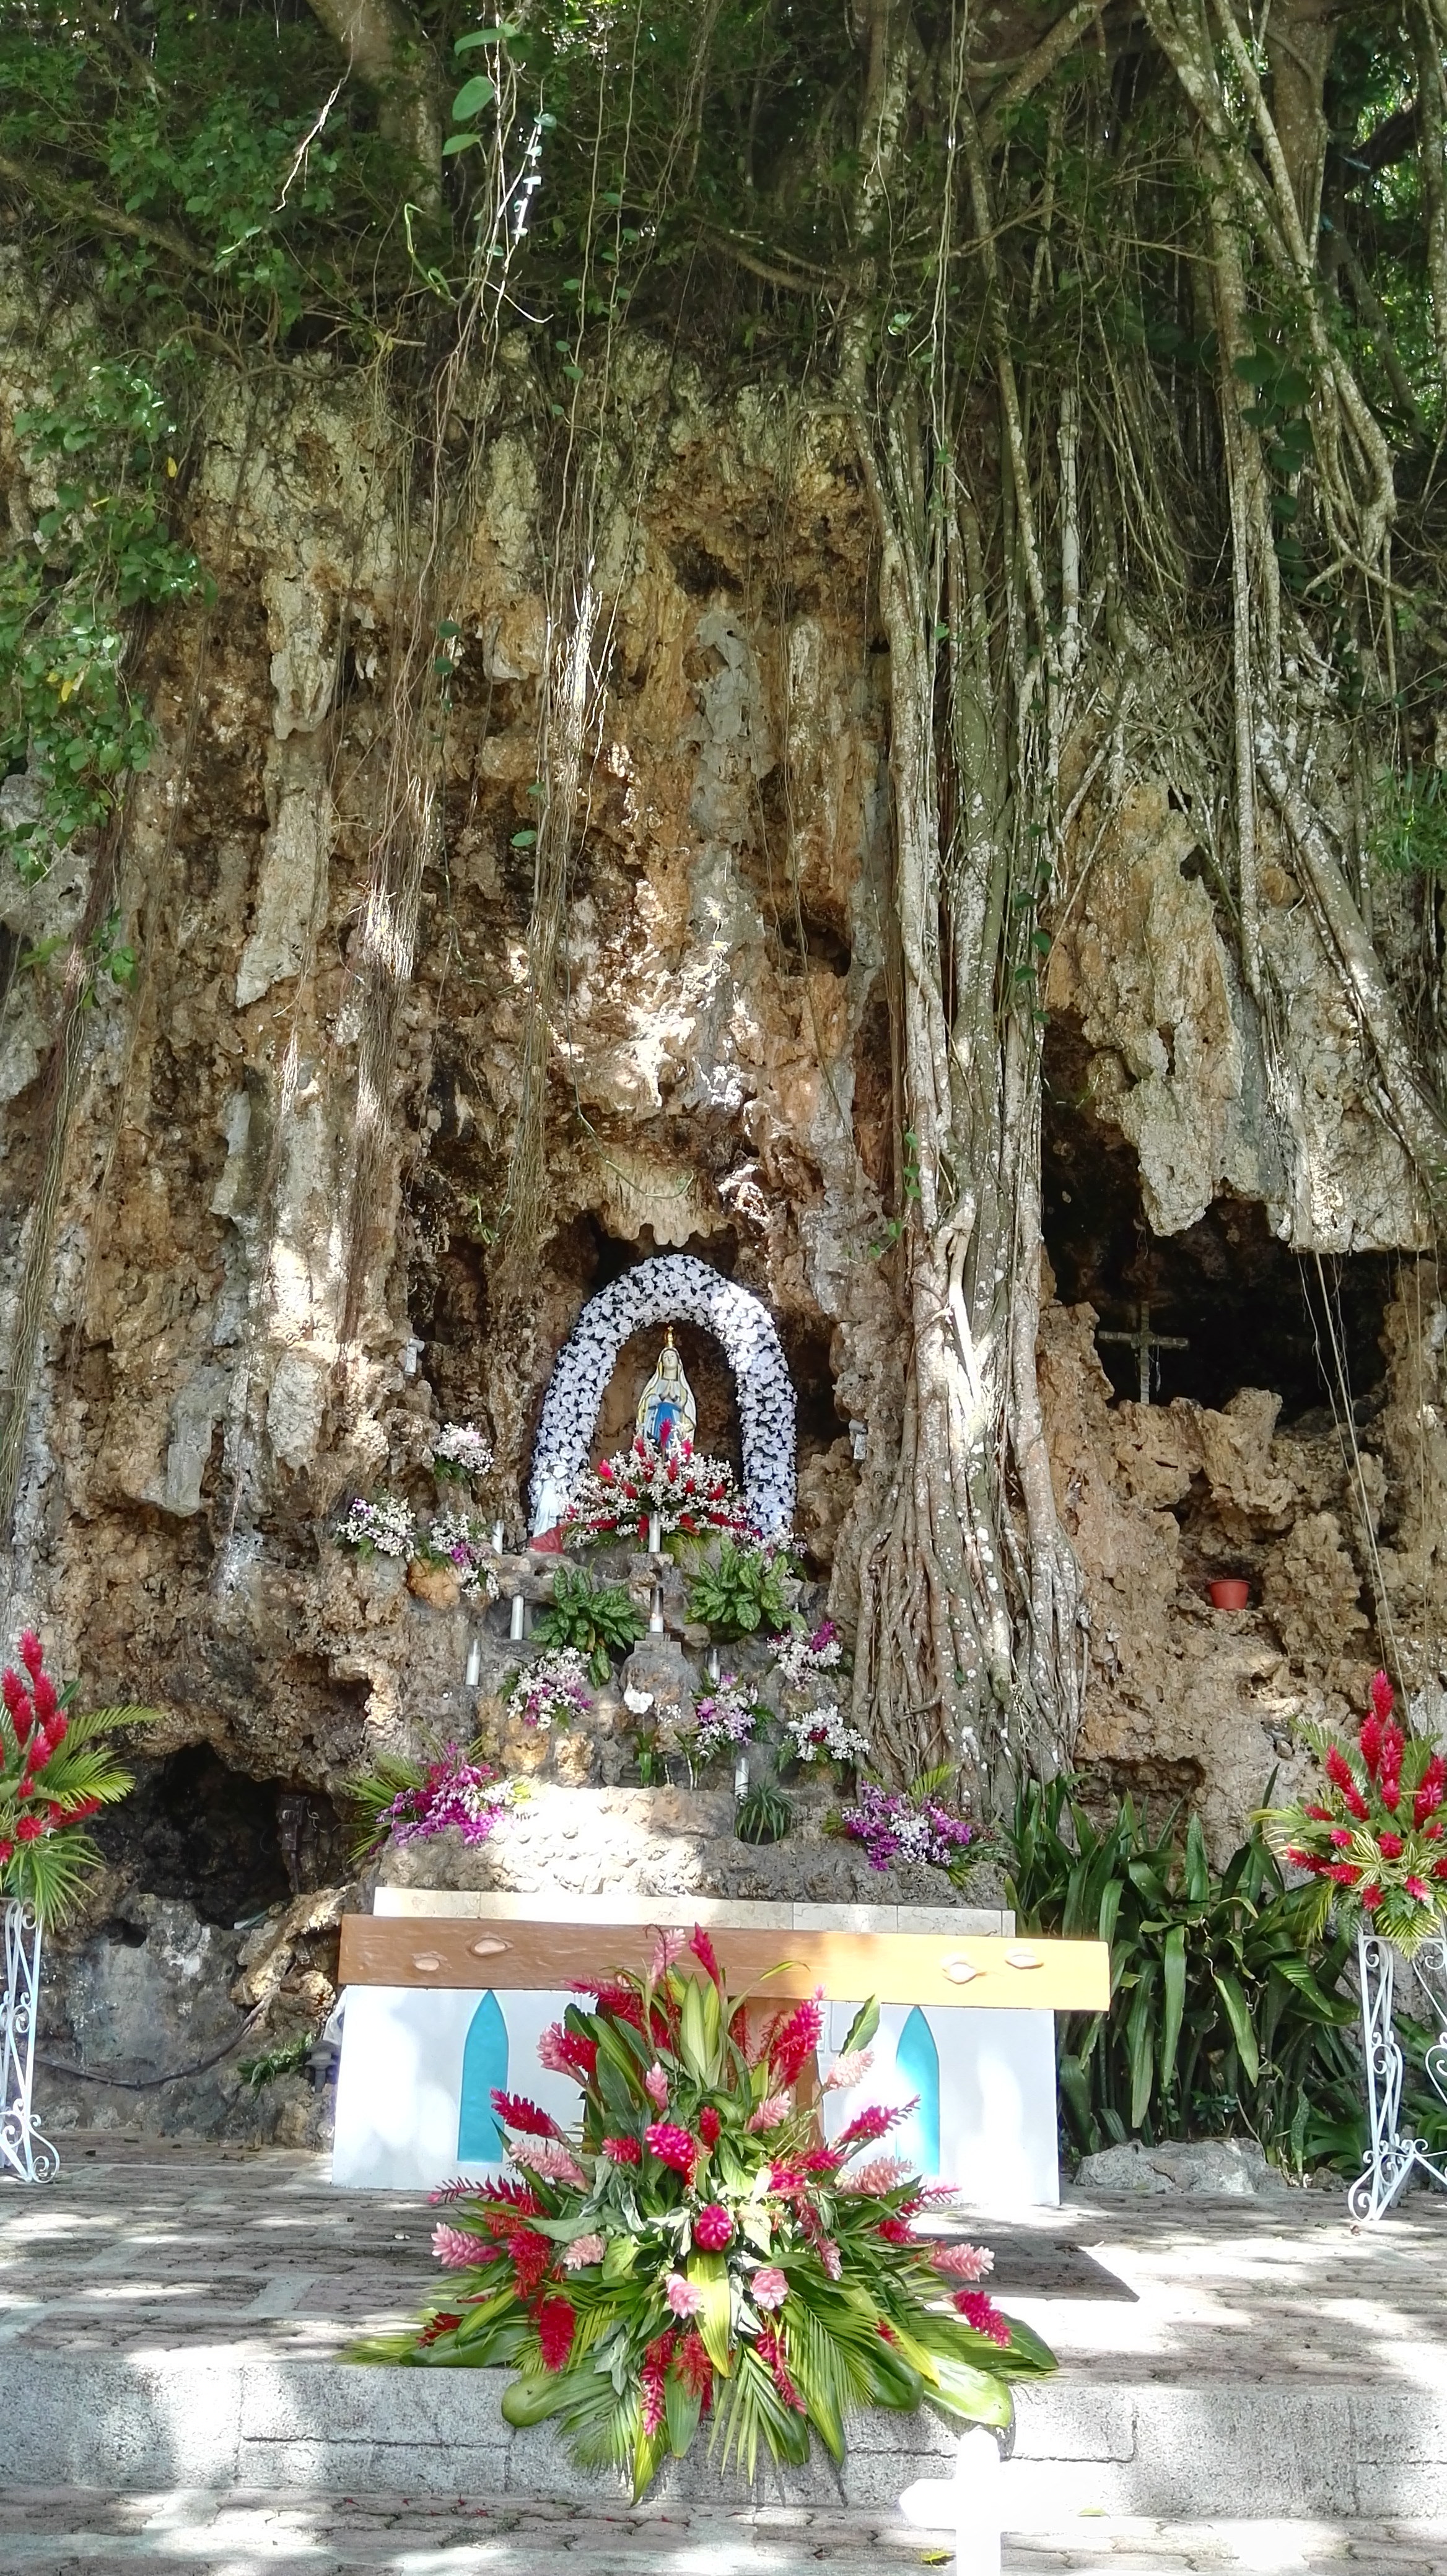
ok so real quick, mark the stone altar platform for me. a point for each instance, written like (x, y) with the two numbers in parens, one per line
(171, 2322)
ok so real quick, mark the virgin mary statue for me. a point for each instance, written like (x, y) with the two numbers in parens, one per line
(667, 1409)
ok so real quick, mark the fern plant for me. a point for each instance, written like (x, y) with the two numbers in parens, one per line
(597, 1618)
(741, 1592)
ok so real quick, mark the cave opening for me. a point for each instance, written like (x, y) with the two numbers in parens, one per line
(1249, 1311)
(195, 1832)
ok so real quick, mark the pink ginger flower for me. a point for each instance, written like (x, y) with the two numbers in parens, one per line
(713, 2228)
(584, 2249)
(771, 2112)
(851, 2067)
(769, 2286)
(1417, 1887)
(878, 2177)
(459, 2249)
(830, 2256)
(874, 2123)
(655, 2085)
(667, 1947)
(547, 2158)
(962, 2262)
(685, 2298)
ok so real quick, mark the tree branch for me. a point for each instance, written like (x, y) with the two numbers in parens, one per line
(387, 49)
(1038, 65)
(30, 181)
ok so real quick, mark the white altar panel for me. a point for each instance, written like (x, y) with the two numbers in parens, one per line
(399, 2083)
(997, 2138)
(399, 2090)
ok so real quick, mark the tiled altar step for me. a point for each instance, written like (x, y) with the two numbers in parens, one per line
(196, 2418)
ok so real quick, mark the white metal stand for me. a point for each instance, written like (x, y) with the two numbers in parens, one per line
(1391, 2157)
(28, 2155)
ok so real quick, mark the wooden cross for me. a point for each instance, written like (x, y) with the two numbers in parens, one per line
(1145, 1344)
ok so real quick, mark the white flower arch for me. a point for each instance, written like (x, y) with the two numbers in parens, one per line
(673, 1289)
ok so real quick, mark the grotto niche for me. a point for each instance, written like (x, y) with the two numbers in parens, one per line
(1284, 1413)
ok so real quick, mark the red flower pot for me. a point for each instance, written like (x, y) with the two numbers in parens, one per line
(1229, 1592)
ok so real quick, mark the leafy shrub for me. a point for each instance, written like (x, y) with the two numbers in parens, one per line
(763, 1814)
(596, 1618)
(1223, 2013)
(740, 1593)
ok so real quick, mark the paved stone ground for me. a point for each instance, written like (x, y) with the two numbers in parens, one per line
(178, 2255)
(149, 2248)
(190, 2533)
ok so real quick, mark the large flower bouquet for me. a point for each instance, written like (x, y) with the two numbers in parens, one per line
(56, 1772)
(1376, 1840)
(618, 1498)
(694, 2251)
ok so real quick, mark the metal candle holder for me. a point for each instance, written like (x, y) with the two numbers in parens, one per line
(1391, 2155)
(29, 2155)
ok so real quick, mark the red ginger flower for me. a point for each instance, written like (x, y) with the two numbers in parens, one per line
(1319, 1815)
(1345, 1872)
(30, 1828)
(693, 2366)
(533, 2258)
(1338, 1771)
(875, 2122)
(442, 2324)
(1422, 1893)
(1340, 1835)
(672, 2146)
(896, 2231)
(1390, 1846)
(32, 1654)
(795, 2040)
(652, 2402)
(713, 2228)
(703, 1951)
(1371, 1897)
(1382, 1696)
(979, 2310)
(770, 2350)
(708, 2125)
(1439, 1869)
(516, 2112)
(1369, 1737)
(623, 2151)
(46, 1698)
(557, 2325)
(1431, 1789)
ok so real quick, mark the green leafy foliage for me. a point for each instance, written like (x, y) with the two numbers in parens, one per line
(740, 1590)
(368, 1796)
(598, 1619)
(692, 2240)
(103, 447)
(1224, 2011)
(289, 2059)
(763, 1814)
(1408, 835)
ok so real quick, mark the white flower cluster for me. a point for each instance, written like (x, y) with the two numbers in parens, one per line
(674, 1288)
(623, 1493)
(800, 1655)
(465, 1543)
(553, 1691)
(824, 1734)
(461, 1451)
(378, 1529)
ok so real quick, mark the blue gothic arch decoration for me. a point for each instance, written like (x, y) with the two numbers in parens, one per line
(484, 2071)
(917, 2062)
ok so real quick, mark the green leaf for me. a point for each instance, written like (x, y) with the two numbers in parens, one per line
(1173, 1973)
(531, 2401)
(862, 2028)
(472, 98)
(709, 2273)
(483, 36)
(459, 143)
(1238, 2014)
(680, 2414)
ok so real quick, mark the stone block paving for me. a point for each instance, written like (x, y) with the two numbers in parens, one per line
(145, 2248)
(191, 2533)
